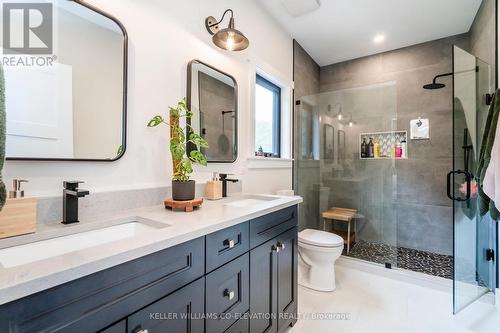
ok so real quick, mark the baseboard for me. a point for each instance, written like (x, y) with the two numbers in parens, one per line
(424, 280)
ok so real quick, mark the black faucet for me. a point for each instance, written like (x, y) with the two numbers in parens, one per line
(71, 193)
(223, 178)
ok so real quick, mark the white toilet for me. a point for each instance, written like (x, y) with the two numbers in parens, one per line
(318, 251)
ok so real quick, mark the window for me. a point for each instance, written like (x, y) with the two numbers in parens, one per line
(267, 118)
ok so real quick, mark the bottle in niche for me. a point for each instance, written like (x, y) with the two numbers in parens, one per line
(399, 151)
(403, 149)
(370, 148)
(376, 152)
(363, 148)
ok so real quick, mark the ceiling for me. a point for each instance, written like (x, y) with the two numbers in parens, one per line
(339, 30)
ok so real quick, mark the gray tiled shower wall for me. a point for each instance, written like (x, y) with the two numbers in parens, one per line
(403, 202)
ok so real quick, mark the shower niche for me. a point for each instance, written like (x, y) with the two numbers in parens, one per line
(383, 145)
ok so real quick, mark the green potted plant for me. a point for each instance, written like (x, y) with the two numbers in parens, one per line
(183, 188)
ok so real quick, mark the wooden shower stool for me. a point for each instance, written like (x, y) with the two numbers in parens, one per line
(343, 215)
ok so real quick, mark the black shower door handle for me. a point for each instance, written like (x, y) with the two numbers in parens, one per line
(468, 178)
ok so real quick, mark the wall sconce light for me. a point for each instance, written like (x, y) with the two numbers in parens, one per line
(339, 115)
(351, 122)
(229, 38)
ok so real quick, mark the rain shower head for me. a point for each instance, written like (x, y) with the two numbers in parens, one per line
(434, 84)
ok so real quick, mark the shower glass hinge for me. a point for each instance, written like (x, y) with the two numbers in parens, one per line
(490, 255)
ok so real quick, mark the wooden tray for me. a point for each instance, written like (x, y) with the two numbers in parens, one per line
(187, 206)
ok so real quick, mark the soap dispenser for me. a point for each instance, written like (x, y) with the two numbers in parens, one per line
(213, 190)
(17, 192)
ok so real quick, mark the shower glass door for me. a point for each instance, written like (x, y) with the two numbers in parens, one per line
(474, 271)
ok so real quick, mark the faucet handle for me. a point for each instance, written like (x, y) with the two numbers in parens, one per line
(16, 184)
(72, 184)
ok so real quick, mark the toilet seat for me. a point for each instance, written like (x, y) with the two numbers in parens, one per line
(320, 238)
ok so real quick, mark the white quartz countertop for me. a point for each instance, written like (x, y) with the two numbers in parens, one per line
(23, 280)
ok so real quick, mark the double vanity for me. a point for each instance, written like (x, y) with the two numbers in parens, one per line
(230, 266)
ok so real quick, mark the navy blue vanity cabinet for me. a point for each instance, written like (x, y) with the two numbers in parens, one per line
(263, 288)
(287, 279)
(97, 301)
(180, 312)
(273, 272)
(241, 326)
(119, 327)
(227, 244)
(237, 280)
(227, 294)
(271, 225)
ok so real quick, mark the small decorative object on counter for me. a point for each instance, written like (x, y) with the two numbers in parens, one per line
(213, 190)
(259, 152)
(18, 216)
(187, 205)
(183, 189)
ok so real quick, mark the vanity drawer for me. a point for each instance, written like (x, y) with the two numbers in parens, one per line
(225, 245)
(241, 326)
(94, 302)
(271, 225)
(227, 294)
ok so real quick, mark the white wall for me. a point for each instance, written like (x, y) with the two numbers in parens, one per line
(164, 36)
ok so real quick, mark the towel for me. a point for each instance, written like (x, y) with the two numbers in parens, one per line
(3, 190)
(485, 202)
(491, 181)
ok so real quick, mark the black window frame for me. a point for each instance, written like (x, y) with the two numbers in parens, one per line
(276, 90)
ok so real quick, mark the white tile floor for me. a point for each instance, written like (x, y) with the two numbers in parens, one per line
(376, 303)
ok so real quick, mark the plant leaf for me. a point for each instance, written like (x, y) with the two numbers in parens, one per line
(198, 157)
(198, 140)
(155, 121)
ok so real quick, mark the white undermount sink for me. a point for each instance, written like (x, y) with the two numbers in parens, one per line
(52, 247)
(250, 201)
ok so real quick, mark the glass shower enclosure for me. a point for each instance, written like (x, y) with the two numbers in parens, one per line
(404, 217)
(474, 233)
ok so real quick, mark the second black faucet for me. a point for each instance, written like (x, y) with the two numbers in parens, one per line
(223, 178)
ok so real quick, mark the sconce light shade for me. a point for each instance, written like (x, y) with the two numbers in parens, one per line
(229, 38)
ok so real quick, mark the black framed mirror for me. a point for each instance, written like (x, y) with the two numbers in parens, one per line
(73, 107)
(212, 96)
